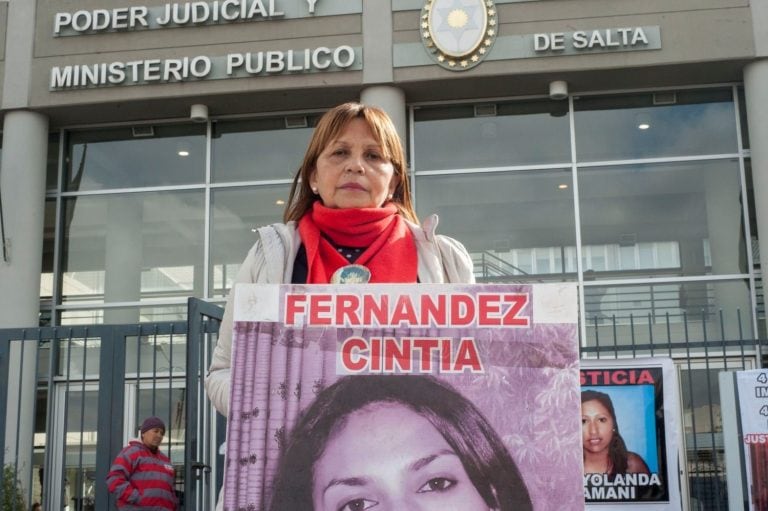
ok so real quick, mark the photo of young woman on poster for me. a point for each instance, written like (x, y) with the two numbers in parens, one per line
(605, 451)
(396, 442)
(614, 469)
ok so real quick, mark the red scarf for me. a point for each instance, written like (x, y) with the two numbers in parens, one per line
(390, 252)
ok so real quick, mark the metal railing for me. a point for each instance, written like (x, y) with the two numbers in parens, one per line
(84, 387)
(701, 349)
(88, 378)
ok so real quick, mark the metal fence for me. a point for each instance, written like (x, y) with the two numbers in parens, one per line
(698, 344)
(75, 394)
(86, 388)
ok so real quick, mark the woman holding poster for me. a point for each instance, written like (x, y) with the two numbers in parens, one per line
(396, 442)
(605, 451)
(349, 217)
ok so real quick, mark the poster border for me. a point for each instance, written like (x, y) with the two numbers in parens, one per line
(673, 432)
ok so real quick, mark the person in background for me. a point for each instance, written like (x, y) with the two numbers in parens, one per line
(349, 215)
(604, 449)
(142, 478)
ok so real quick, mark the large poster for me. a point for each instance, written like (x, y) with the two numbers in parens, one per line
(405, 397)
(630, 424)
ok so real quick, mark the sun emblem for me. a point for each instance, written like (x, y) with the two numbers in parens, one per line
(457, 18)
(458, 33)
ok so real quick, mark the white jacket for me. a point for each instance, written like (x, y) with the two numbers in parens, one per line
(270, 261)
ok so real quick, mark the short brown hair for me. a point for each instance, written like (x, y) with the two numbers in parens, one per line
(328, 129)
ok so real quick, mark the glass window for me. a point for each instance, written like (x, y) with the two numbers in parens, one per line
(49, 233)
(534, 132)
(127, 247)
(259, 149)
(505, 220)
(236, 214)
(703, 429)
(752, 212)
(646, 256)
(40, 440)
(655, 125)
(760, 308)
(657, 215)
(666, 255)
(152, 354)
(627, 258)
(78, 357)
(115, 315)
(80, 437)
(135, 157)
(743, 118)
(52, 167)
(644, 313)
(167, 401)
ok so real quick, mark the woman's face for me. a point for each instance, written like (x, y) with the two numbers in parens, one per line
(352, 172)
(387, 457)
(596, 426)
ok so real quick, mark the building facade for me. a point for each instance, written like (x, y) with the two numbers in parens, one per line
(619, 145)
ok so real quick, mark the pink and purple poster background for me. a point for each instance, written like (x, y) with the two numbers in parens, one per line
(528, 388)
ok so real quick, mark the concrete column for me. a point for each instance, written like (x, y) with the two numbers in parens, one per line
(22, 190)
(378, 73)
(391, 100)
(756, 91)
(377, 42)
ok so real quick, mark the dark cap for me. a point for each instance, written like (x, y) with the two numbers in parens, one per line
(151, 423)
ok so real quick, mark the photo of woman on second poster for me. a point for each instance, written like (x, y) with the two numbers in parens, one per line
(622, 418)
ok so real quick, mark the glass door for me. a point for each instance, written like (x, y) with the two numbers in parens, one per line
(74, 450)
(165, 399)
(75, 434)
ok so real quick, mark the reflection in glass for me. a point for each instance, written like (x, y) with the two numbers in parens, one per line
(41, 440)
(743, 118)
(632, 126)
(79, 476)
(236, 213)
(132, 246)
(156, 354)
(662, 219)
(516, 225)
(78, 357)
(617, 257)
(702, 426)
(52, 166)
(667, 312)
(258, 149)
(117, 158)
(156, 314)
(760, 307)
(534, 132)
(49, 230)
(752, 212)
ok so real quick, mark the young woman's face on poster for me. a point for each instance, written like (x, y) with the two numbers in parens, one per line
(387, 457)
(596, 426)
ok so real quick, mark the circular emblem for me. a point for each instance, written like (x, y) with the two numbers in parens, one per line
(458, 33)
(351, 274)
